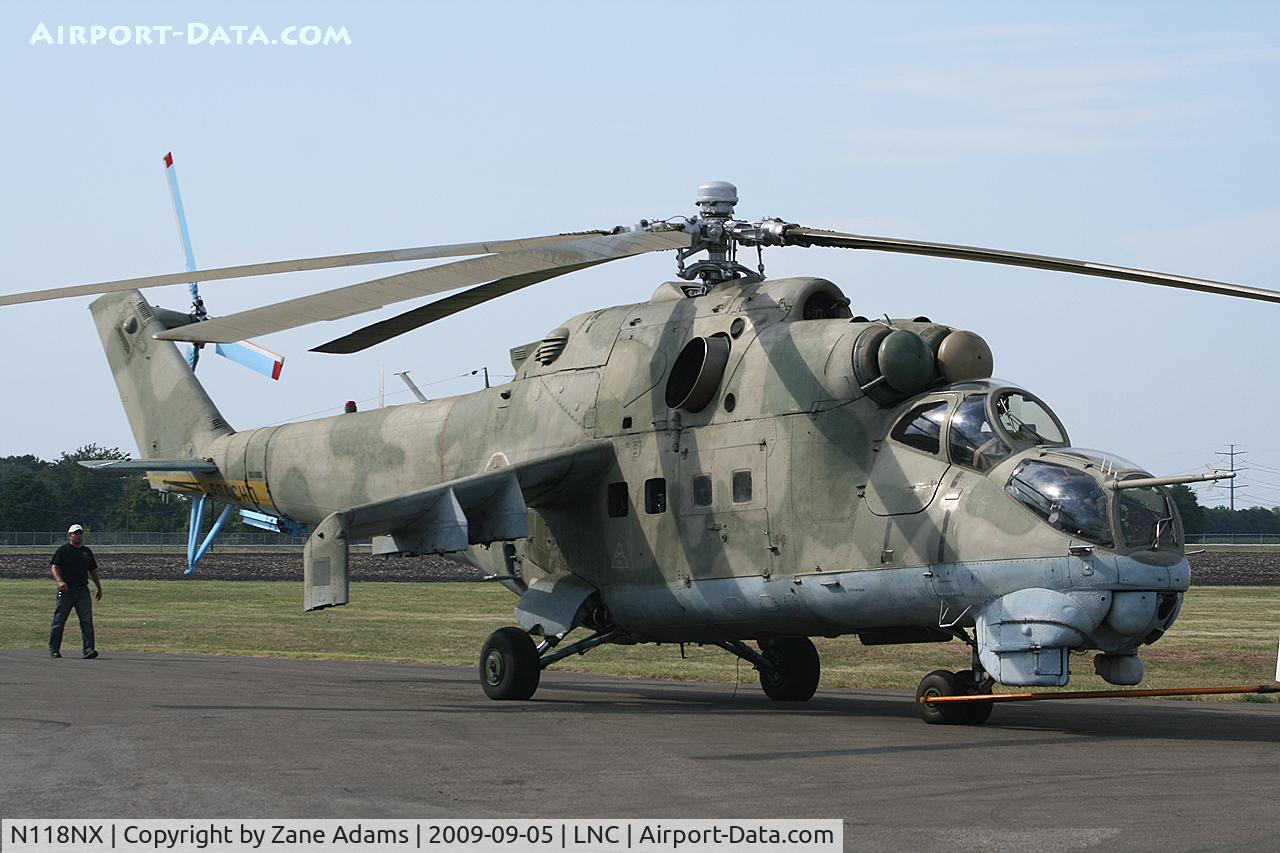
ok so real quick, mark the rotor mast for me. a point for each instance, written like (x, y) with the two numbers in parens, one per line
(717, 233)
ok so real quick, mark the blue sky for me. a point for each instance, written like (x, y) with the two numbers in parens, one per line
(1132, 134)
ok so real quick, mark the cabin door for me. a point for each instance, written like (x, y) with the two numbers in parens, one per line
(723, 512)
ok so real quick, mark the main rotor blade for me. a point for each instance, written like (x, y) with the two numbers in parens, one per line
(814, 237)
(371, 295)
(297, 265)
(376, 333)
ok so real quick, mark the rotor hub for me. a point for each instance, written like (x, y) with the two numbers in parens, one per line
(718, 234)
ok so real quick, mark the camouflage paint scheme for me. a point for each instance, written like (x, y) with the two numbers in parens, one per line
(845, 530)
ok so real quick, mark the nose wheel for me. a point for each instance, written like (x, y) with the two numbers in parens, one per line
(943, 682)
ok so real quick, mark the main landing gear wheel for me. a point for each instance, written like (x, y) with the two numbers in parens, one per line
(509, 665)
(796, 669)
(941, 682)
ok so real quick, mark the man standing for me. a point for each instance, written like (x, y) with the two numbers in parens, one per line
(72, 566)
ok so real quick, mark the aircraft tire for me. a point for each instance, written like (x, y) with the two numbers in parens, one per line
(797, 669)
(509, 666)
(973, 713)
(940, 682)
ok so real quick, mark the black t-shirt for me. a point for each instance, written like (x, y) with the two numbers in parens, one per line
(74, 564)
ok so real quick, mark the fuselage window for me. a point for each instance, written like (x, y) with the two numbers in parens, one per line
(741, 487)
(921, 427)
(655, 495)
(702, 490)
(616, 500)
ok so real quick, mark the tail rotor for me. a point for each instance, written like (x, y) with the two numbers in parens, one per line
(247, 354)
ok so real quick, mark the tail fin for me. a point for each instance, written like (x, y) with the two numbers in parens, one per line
(168, 409)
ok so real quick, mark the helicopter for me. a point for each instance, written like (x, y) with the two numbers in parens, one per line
(739, 462)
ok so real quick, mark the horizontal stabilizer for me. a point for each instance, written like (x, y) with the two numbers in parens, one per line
(126, 466)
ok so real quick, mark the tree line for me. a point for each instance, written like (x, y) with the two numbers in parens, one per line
(1219, 519)
(36, 494)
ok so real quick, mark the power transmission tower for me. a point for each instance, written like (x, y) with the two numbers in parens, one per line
(1231, 455)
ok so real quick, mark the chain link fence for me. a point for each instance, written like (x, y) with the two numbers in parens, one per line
(1233, 538)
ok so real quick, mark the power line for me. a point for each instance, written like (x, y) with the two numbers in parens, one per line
(1265, 483)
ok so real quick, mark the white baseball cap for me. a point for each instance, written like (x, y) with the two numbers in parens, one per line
(75, 527)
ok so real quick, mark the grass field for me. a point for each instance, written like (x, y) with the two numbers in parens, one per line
(1225, 635)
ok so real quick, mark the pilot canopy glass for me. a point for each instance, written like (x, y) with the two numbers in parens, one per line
(988, 428)
(1026, 421)
(1147, 518)
(1068, 499)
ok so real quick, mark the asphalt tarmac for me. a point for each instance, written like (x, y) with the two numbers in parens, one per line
(188, 736)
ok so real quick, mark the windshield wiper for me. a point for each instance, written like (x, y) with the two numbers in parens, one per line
(1023, 426)
(1160, 523)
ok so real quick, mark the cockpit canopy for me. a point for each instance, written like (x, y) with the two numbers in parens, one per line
(989, 424)
(1074, 501)
(1065, 487)
(1067, 498)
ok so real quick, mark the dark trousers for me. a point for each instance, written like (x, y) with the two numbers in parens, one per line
(79, 598)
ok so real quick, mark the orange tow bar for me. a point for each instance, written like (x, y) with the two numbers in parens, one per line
(1101, 694)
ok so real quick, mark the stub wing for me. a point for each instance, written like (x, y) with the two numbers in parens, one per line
(489, 507)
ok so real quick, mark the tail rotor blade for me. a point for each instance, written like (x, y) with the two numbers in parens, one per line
(184, 234)
(798, 236)
(250, 355)
(184, 238)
